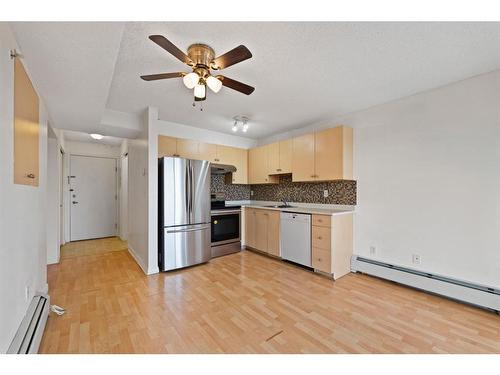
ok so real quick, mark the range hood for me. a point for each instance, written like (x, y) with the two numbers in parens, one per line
(222, 168)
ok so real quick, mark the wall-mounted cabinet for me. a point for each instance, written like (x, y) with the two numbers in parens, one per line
(26, 128)
(258, 166)
(189, 149)
(280, 157)
(324, 155)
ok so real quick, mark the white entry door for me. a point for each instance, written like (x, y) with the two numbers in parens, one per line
(92, 197)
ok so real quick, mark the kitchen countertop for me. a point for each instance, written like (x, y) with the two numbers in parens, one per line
(303, 210)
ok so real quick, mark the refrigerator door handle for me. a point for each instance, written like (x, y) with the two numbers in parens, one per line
(188, 229)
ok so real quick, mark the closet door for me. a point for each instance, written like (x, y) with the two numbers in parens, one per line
(26, 128)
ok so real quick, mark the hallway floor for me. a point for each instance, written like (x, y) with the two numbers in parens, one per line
(247, 303)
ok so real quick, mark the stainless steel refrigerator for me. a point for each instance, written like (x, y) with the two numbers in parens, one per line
(184, 212)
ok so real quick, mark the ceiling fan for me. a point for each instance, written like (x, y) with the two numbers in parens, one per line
(201, 59)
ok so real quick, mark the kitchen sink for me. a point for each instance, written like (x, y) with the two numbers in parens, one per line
(280, 206)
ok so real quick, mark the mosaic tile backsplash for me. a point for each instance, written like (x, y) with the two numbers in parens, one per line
(339, 192)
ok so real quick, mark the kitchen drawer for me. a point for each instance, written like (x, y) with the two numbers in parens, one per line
(321, 237)
(321, 260)
(321, 220)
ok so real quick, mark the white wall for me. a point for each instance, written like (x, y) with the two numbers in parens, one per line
(428, 172)
(138, 231)
(52, 211)
(124, 191)
(92, 149)
(22, 211)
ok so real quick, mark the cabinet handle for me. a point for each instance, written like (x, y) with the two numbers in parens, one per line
(319, 237)
(30, 175)
(320, 221)
(176, 155)
(216, 160)
(279, 169)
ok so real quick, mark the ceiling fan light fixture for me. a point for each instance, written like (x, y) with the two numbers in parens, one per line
(235, 126)
(191, 80)
(214, 84)
(200, 91)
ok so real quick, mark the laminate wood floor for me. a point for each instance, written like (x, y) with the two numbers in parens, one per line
(249, 303)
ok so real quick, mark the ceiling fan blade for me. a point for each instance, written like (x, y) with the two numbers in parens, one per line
(154, 77)
(232, 57)
(236, 85)
(168, 46)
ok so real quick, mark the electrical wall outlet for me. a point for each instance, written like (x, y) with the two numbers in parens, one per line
(325, 193)
(415, 259)
(373, 250)
(251, 192)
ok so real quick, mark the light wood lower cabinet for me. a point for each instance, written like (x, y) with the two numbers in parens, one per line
(250, 227)
(262, 230)
(273, 233)
(332, 244)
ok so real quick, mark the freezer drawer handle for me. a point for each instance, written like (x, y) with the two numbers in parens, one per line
(187, 230)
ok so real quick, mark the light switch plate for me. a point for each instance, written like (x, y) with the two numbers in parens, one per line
(325, 193)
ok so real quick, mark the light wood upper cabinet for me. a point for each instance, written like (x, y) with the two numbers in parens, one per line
(207, 151)
(286, 156)
(303, 158)
(258, 166)
(323, 156)
(167, 146)
(280, 157)
(273, 156)
(26, 128)
(187, 148)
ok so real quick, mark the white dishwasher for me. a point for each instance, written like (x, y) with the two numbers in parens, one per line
(296, 237)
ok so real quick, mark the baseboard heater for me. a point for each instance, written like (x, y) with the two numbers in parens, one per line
(475, 294)
(30, 332)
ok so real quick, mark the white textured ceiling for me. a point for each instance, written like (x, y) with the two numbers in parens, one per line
(303, 72)
(72, 65)
(74, 136)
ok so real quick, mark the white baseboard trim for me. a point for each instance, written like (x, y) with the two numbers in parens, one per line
(475, 294)
(137, 259)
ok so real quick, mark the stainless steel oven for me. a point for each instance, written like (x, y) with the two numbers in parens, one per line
(225, 230)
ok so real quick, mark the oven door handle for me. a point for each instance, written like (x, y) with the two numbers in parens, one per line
(226, 212)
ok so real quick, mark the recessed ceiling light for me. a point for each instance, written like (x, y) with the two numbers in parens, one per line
(97, 136)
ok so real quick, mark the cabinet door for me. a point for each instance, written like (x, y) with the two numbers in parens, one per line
(226, 155)
(273, 233)
(261, 219)
(286, 156)
(241, 164)
(207, 151)
(26, 128)
(273, 157)
(167, 146)
(303, 158)
(250, 227)
(328, 158)
(257, 165)
(187, 148)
